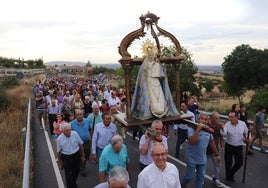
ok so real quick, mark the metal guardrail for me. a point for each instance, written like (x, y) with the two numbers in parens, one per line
(26, 169)
(14, 72)
(225, 119)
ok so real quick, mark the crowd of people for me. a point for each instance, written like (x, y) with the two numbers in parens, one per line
(79, 114)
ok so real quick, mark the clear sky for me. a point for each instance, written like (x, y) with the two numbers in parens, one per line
(82, 30)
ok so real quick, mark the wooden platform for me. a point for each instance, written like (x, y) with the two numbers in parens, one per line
(121, 117)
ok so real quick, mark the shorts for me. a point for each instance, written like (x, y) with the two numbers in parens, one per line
(259, 133)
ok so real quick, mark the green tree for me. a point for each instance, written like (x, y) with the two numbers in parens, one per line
(21, 63)
(259, 66)
(88, 64)
(39, 63)
(259, 98)
(187, 71)
(119, 72)
(238, 71)
(245, 68)
(208, 84)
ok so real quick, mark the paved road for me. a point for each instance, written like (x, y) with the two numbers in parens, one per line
(44, 175)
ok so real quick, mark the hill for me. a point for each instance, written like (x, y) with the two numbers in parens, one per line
(62, 63)
(212, 68)
(108, 65)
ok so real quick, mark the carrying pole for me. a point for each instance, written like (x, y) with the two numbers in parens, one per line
(246, 158)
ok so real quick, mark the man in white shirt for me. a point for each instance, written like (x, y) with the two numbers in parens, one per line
(70, 153)
(181, 129)
(234, 131)
(159, 174)
(114, 100)
(146, 144)
(106, 93)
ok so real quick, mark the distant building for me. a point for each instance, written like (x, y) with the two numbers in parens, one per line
(89, 70)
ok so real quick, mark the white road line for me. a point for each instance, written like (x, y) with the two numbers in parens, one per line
(52, 156)
(184, 164)
(258, 148)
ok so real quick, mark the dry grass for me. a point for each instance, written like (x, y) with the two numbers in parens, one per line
(220, 103)
(11, 145)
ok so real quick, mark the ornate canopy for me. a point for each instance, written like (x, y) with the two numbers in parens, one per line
(149, 21)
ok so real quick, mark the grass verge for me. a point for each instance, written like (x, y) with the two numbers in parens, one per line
(12, 121)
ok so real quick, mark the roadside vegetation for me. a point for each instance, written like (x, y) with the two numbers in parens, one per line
(21, 63)
(14, 101)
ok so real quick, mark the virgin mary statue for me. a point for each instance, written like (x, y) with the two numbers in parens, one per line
(152, 97)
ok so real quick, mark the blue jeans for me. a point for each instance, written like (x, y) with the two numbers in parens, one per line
(216, 166)
(98, 152)
(190, 171)
(182, 136)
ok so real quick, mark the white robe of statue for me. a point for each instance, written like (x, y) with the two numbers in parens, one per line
(153, 71)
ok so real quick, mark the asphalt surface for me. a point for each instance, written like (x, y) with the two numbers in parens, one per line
(45, 177)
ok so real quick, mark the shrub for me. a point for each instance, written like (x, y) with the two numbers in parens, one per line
(4, 99)
(208, 84)
(10, 82)
(259, 98)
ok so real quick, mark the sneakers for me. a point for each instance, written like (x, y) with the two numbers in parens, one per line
(217, 183)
